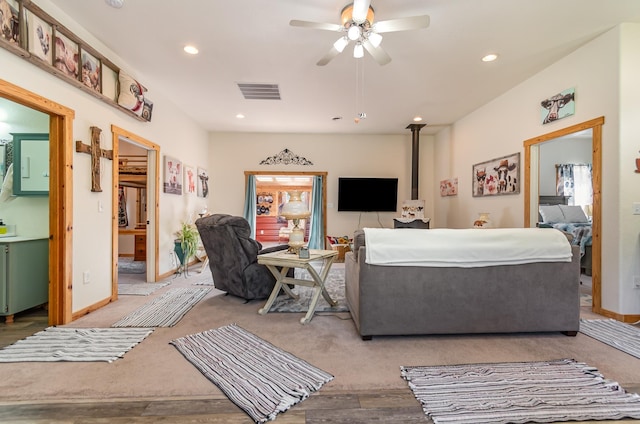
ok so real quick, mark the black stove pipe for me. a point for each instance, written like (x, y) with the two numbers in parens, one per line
(415, 157)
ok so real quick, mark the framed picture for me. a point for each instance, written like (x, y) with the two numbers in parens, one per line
(449, 187)
(558, 106)
(172, 175)
(91, 71)
(203, 182)
(65, 55)
(109, 83)
(189, 180)
(147, 108)
(9, 21)
(497, 176)
(40, 37)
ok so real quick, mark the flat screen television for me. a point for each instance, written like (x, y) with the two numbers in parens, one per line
(367, 194)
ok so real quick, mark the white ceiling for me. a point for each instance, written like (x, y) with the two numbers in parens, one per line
(435, 72)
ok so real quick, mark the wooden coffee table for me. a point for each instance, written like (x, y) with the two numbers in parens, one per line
(279, 263)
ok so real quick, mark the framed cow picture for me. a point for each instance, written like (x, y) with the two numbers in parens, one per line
(172, 182)
(496, 176)
(558, 106)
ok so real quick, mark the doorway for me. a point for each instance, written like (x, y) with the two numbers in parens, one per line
(135, 166)
(531, 192)
(289, 180)
(60, 197)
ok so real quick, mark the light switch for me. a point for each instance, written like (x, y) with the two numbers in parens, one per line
(636, 208)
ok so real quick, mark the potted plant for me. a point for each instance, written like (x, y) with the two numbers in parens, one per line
(186, 243)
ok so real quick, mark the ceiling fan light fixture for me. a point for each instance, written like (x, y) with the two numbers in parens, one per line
(358, 51)
(375, 39)
(354, 32)
(341, 43)
(361, 11)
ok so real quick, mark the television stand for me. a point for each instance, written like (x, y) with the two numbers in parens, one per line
(420, 223)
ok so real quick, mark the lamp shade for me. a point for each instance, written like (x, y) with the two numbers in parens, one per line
(358, 51)
(295, 207)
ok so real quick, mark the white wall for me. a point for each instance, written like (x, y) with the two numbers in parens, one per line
(339, 155)
(575, 150)
(170, 128)
(628, 181)
(605, 85)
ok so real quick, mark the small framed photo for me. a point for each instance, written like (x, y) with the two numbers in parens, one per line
(109, 83)
(190, 179)
(65, 55)
(172, 175)
(147, 109)
(304, 253)
(203, 182)
(91, 71)
(10, 21)
(40, 39)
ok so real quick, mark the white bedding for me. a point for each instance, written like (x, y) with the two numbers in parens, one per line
(465, 248)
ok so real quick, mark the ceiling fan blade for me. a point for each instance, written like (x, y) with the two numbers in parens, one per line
(378, 54)
(328, 57)
(402, 24)
(316, 25)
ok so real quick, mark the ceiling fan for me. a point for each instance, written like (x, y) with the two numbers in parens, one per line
(358, 26)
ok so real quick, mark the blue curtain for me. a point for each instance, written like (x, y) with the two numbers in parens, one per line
(316, 232)
(250, 204)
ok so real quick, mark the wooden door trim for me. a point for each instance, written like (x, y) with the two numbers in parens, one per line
(60, 197)
(116, 133)
(596, 230)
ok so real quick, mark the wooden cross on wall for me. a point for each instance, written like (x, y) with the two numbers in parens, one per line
(96, 153)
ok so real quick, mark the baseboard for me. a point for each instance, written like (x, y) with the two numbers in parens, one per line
(618, 317)
(90, 308)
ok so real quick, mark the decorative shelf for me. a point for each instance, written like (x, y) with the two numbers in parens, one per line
(21, 49)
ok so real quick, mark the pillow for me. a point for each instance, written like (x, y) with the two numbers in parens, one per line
(573, 214)
(551, 213)
(131, 94)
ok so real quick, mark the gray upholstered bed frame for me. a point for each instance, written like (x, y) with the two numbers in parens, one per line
(405, 300)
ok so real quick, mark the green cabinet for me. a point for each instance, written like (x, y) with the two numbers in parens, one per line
(30, 164)
(24, 274)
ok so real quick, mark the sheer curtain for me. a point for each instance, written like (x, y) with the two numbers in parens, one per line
(574, 180)
(316, 236)
(250, 204)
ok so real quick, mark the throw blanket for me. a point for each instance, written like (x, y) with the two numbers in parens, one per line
(465, 248)
(581, 232)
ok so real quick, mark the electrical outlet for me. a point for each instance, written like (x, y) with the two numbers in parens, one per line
(636, 281)
(86, 277)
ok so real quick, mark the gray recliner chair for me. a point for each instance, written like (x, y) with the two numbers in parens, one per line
(233, 256)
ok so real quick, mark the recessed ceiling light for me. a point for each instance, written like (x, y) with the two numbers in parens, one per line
(490, 57)
(190, 49)
(417, 119)
(115, 3)
(240, 116)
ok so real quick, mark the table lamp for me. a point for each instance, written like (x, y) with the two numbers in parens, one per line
(295, 209)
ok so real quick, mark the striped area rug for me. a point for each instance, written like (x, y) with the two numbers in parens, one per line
(616, 334)
(541, 392)
(258, 377)
(165, 310)
(55, 344)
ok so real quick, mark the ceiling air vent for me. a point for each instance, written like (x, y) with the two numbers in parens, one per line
(260, 91)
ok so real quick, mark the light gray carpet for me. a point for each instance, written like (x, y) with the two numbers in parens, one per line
(519, 392)
(165, 310)
(334, 286)
(127, 265)
(616, 334)
(55, 344)
(258, 377)
(139, 289)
